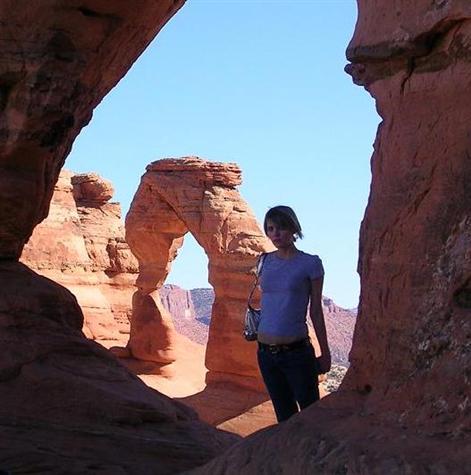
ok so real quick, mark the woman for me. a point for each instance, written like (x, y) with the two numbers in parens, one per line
(289, 279)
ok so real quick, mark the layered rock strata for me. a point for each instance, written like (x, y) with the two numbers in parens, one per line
(68, 406)
(81, 245)
(404, 406)
(177, 196)
(185, 315)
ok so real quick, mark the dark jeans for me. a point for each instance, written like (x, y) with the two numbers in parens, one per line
(291, 379)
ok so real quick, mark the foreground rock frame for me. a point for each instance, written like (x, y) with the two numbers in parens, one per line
(404, 405)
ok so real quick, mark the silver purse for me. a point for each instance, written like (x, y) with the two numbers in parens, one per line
(252, 315)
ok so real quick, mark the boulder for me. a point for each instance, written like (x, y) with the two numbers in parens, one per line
(69, 406)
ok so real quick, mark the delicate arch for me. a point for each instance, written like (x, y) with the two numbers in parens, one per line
(177, 196)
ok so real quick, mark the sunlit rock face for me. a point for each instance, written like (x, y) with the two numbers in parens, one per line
(177, 196)
(81, 246)
(415, 244)
(404, 406)
(67, 405)
(59, 59)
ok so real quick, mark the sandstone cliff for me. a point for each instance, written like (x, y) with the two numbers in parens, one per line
(81, 245)
(190, 313)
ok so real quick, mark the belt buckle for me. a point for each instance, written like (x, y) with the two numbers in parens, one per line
(274, 349)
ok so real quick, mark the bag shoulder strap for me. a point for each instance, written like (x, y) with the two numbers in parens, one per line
(258, 273)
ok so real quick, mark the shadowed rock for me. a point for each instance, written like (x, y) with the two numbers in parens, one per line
(68, 406)
(59, 59)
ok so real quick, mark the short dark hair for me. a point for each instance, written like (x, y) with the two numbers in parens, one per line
(284, 217)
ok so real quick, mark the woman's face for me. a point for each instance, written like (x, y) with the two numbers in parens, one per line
(281, 237)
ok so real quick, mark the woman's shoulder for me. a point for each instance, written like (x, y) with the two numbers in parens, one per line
(310, 257)
(313, 264)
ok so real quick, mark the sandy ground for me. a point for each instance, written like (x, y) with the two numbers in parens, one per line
(225, 406)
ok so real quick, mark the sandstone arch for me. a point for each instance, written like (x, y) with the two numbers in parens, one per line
(177, 196)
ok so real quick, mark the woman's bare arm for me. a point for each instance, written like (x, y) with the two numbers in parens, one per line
(317, 318)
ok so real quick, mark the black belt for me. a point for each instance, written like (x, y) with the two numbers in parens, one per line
(284, 347)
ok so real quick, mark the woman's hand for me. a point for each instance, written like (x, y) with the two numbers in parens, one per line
(324, 363)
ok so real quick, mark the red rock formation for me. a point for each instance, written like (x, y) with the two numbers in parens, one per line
(177, 196)
(415, 236)
(404, 406)
(58, 62)
(67, 404)
(81, 245)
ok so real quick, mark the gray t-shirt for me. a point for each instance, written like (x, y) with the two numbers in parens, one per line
(286, 288)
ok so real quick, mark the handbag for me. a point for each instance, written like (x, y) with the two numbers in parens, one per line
(252, 315)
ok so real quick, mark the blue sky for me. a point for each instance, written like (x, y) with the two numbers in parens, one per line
(259, 83)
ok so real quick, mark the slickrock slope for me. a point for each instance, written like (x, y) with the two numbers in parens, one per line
(177, 196)
(68, 406)
(81, 245)
(404, 406)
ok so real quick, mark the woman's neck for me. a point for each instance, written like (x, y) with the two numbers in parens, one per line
(286, 252)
